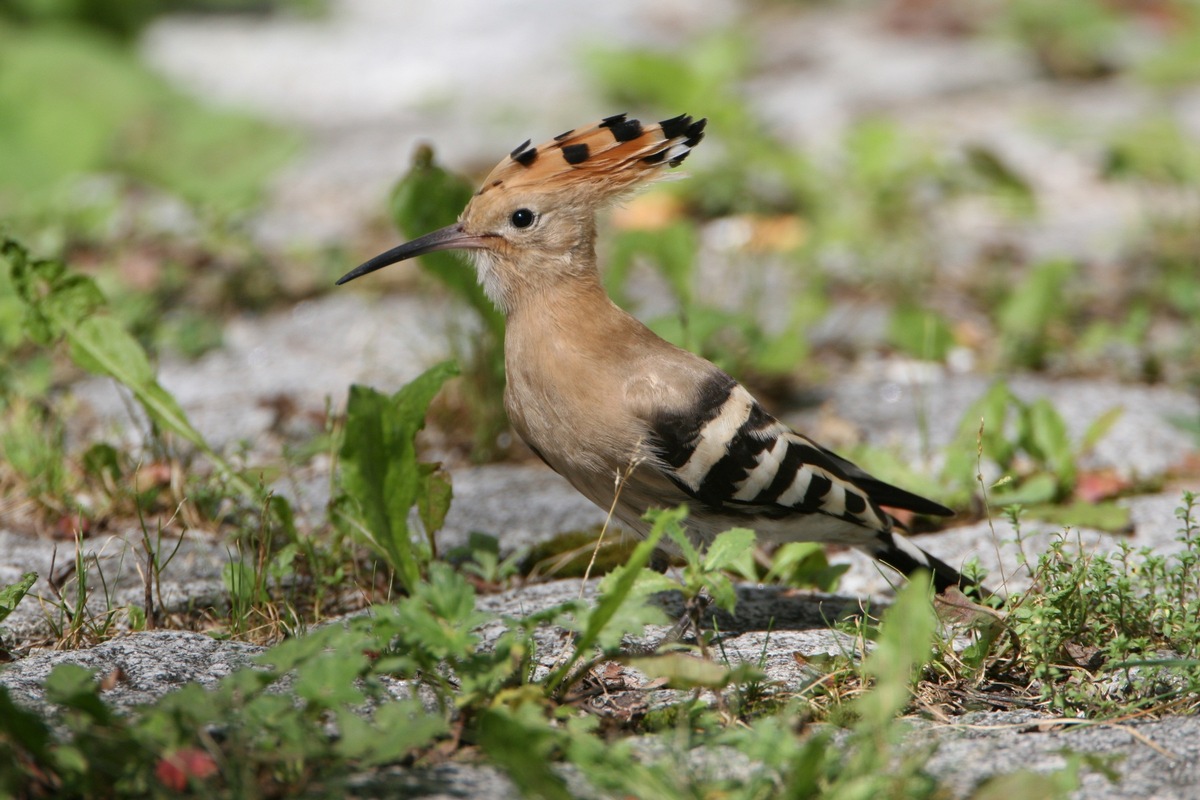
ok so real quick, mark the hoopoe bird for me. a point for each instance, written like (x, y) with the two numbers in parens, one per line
(630, 420)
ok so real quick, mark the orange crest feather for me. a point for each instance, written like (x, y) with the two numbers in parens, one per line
(609, 156)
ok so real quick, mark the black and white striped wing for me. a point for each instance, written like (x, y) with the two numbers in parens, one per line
(730, 455)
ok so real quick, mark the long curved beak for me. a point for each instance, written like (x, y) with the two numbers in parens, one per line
(451, 237)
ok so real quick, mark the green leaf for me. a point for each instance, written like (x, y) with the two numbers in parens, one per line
(1049, 443)
(75, 687)
(803, 564)
(380, 470)
(397, 728)
(51, 292)
(728, 547)
(1025, 314)
(620, 587)
(439, 618)
(1100, 428)
(60, 303)
(921, 333)
(684, 671)
(1108, 517)
(1002, 178)
(905, 644)
(102, 462)
(1039, 488)
(722, 590)
(427, 198)
(1030, 785)
(670, 522)
(11, 595)
(433, 501)
(24, 726)
(328, 681)
(522, 742)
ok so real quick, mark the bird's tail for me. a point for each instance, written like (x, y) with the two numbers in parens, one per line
(900, 554)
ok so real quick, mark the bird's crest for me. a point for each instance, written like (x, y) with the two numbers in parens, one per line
(606, 157)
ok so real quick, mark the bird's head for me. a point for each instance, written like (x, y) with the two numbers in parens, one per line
(533, 220)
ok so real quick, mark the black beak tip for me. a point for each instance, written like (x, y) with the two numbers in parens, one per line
(449, 238)
(351, 275)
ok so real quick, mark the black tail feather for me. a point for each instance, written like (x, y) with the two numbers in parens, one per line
(902, 555)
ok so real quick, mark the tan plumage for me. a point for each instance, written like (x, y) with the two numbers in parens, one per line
(598, 396)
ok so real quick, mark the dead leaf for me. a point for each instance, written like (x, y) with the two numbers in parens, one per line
(1089, 657)
(1092, 487)
(115, 676)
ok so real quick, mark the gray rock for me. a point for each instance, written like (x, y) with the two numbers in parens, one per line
(521, 505)
(450, 781)
(116, 565)
(1153, 758)
(894, 402)
(151, 664)
(820, 71)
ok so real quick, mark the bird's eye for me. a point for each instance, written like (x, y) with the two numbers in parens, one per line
(522, 218)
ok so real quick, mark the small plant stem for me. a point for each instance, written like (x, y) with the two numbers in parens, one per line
(987, 509)
(620, 481)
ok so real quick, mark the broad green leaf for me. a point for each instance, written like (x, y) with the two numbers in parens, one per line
(804, 564)
(101, 344)
(723, 592)
(61, 303)
(1035, 299)
(1026, 313)
(11, 595)
(70, 759)
(993, 409)
(379, 462)
(1002, 179)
